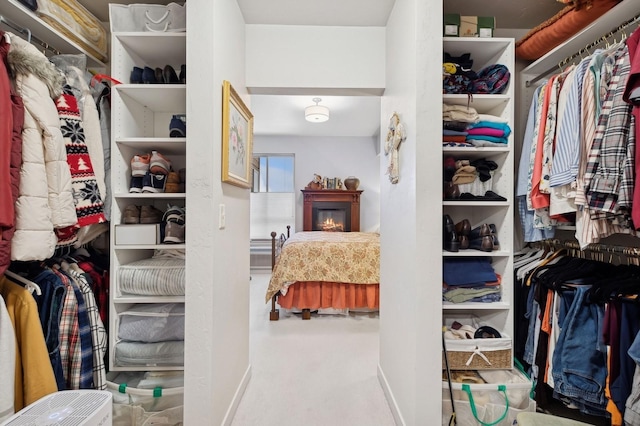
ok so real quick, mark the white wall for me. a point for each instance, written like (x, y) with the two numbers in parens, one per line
(331, 157)
(411, 218)
(217, 300)
(293, 56)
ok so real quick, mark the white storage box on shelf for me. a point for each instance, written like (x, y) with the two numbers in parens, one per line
(147, 398)
(497, 402)
(144, 234)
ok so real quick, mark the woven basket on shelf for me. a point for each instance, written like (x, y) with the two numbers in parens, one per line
(479, 354)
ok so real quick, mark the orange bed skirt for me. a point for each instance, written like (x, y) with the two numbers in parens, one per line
(323, 295)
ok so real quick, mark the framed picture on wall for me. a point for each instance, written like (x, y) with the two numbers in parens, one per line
(237, 138)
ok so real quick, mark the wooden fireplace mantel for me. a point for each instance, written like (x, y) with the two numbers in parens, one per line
(331, 195)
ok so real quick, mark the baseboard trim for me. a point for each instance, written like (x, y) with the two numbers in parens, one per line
(233, 407)
(395, 410)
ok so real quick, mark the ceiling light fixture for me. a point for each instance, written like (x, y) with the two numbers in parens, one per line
(316, 113)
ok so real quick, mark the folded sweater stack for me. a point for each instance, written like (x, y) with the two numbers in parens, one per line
(489, 130)
(456, 119)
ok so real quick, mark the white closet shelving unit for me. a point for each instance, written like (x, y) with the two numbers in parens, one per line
(484, 52)
(19, 14)
(140, 117)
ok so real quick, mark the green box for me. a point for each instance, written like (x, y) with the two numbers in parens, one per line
(451, 27)
(477, 26)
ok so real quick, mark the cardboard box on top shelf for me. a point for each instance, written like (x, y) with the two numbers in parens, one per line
(451, 25)
(477, 26)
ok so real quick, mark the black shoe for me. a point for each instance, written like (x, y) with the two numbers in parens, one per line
(159, 76)
(183, 74)
(450, 240)
(148, 76)
(170, 76)
(136, 76)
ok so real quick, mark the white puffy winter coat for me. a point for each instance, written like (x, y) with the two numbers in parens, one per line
(45, 200)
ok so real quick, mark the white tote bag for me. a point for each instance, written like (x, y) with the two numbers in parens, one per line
(148, 17)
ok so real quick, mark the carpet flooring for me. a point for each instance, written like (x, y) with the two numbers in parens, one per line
(317, 372)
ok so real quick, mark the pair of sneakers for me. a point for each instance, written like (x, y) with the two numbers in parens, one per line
(148, 183)
(173, 225)
(149, 172)
(154, 162)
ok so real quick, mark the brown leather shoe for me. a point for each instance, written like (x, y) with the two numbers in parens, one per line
(173, 182)
(131, 214)
(484, 243)
(149, 214)
(463, 228)
(451, 191)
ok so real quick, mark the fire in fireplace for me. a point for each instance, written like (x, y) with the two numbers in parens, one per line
(329, 216)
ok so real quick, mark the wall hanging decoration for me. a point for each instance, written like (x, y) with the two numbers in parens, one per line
(395, 136)
(237, 138)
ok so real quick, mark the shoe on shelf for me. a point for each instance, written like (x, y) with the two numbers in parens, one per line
(174, 225)
(183, 175)
(484, 243)
(159, 75)
(178, 126)
(140, 164)
(153, 183)
(451, 191)
(463, 228)
(131, 214)
(183, 74)
(136, 184)
(149, 76)
(480, 231)
(170, 76)
(173, 182)
(159, 164)
(150, 214)
(450, 240)
(136, 76)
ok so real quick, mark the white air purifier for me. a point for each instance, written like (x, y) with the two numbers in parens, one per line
(66, 408)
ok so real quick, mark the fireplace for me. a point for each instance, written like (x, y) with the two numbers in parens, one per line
(331, 216)
(331, 210)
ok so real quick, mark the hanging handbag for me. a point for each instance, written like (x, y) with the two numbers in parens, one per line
(148, 17)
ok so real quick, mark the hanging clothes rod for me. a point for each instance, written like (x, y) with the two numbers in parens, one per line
(602, 39)
(578, 54)
(28, 35)
(593, 247)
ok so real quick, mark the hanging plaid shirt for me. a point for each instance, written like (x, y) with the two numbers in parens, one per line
(77, 360)
(68, 332)
(610, 171)
(98, 332)
(85, 379)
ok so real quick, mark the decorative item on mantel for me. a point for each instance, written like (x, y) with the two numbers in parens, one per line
(351, 183)
(316, 183)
